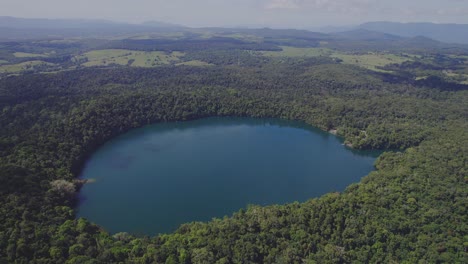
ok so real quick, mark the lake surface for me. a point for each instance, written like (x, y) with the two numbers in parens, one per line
(152, 179)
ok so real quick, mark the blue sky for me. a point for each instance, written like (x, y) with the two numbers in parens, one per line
(273, 13)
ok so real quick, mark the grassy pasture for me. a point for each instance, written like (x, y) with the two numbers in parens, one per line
(371, 60)
(16, 68)
(160, 35)
(3, 61)
(299, 52)
(28, 55)
(129, 57)
(245, 37)
(194, 63)
(460, 77)
(464, 57)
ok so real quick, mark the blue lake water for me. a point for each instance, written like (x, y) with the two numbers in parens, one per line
(152, 179)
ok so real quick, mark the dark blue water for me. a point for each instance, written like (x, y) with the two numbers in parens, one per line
(155, 178)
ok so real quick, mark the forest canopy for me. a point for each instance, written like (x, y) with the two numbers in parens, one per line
(68, 97)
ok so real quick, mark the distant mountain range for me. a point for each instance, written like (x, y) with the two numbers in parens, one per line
(450, 33)
(22, 28)
(12, 28)
(42, 23)
(363, 34)
(160, 24)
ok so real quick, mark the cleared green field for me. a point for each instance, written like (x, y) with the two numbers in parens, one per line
(299, 52)
(451, 74)
(421, 78)
(245, 37)
(460, 77)
(160, 35)
(16, 68)
(464, 57)
(371, 60)
(129, 57)
(28, 55)
(3, 61)
(194, 63)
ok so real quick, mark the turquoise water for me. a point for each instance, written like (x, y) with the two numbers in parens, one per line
(153, 179)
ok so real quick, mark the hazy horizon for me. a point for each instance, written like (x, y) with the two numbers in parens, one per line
(266, 13)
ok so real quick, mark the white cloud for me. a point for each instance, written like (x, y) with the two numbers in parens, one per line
(452, 12)
(432, 12)
(285, 13)
(282, 4)
(342, 6)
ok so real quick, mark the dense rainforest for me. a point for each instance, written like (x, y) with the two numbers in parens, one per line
(412, 209)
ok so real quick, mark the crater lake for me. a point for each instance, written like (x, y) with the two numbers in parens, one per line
(152, 179)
